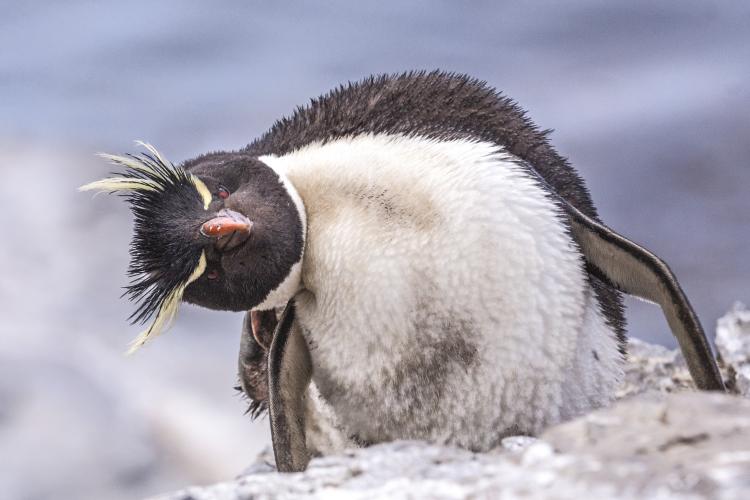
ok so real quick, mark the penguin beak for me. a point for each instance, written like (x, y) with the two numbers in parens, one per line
(230, 229)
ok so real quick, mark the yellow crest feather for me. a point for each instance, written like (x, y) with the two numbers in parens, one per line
(168, 309)
(151, 149)
(114, 184)
(128, 162)
(203, 191)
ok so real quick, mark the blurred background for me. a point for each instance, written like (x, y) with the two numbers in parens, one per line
(650, 101)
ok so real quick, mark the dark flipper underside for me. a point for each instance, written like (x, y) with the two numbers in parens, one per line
(289, 374)
(634, 270)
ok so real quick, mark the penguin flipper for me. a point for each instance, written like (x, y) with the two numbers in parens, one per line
(289, 374)
(634, 270)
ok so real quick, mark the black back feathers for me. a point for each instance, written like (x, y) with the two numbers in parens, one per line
(442, 106)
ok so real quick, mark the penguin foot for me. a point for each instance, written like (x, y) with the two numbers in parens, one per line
(257, 334)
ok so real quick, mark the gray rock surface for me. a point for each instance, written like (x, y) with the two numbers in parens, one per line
(733, 344)
(661, 440)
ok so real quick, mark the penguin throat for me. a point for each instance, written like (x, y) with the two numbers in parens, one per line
(292, 282)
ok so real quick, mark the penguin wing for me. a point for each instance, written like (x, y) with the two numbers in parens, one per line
(289, 374)
(634, 270)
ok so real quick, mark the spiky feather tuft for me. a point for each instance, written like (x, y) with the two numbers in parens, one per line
(145, 172)
(168, 308)
(255, 408)
(167, 203)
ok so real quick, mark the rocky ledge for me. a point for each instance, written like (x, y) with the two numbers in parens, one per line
(661, 440)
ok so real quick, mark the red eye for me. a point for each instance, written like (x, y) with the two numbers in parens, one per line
(223, 193)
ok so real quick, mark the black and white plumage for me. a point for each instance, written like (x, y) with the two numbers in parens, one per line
(446, 274)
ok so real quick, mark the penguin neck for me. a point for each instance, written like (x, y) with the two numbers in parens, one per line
(292, 283)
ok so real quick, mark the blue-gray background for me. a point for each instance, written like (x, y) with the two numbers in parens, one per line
(650, 101)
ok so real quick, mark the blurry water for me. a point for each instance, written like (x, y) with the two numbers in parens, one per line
(650, 103)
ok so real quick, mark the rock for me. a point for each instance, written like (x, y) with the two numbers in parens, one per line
(690, 444)
(661, 440)
(649, 446)
(653, 367)
(733, 344)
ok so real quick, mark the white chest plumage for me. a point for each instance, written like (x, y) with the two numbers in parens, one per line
(443, 298)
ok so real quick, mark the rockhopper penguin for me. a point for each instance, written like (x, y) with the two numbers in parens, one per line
(441, 272)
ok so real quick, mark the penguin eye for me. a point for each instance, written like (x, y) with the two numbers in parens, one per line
(223, 193)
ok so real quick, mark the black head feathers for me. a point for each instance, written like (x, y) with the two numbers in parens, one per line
(168, 204)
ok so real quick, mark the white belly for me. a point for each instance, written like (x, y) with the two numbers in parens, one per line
(444, 298)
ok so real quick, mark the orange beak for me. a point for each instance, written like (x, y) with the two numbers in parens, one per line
(230, 228)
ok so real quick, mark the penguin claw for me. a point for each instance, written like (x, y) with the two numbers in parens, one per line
(256, 407)
(262, 325)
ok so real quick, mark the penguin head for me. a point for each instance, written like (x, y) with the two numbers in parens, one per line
(244, 269)
(222, 231)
